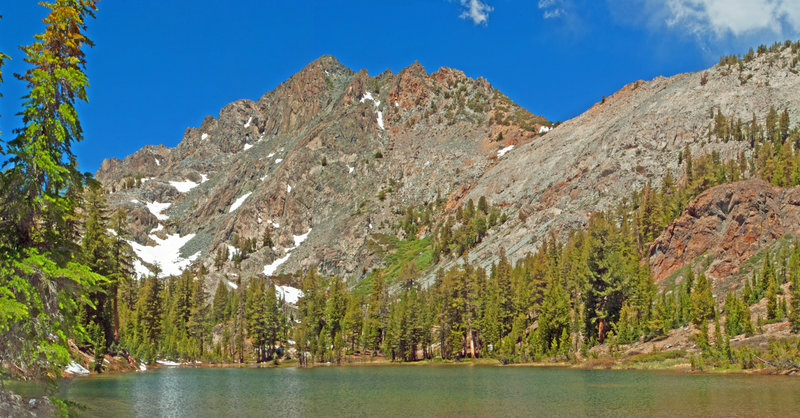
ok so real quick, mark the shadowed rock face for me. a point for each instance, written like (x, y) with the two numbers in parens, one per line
(316, 153)
(729, 224)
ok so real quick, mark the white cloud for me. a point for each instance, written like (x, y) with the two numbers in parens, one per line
(723, 18)
(549, 14)
(551, 8)
(476, 11)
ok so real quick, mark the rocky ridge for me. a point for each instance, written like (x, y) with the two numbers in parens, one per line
(322, 162)
(634, 137)
(331, 157)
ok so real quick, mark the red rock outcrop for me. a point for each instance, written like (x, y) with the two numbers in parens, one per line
(729, 224)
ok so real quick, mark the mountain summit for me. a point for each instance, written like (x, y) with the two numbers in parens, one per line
(320, 172)
(307, 174)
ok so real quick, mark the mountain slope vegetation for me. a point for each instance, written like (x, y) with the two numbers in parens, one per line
(410, 216)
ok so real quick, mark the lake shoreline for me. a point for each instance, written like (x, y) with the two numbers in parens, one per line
(601, 363)
(384, 389)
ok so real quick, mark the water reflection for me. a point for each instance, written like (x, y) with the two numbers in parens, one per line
(426, 391)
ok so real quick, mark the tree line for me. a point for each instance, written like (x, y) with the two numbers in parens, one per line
(66, 267)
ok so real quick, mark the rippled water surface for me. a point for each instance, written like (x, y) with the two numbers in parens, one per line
(426, 391)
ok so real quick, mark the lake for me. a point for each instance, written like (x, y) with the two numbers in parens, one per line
(430, 390)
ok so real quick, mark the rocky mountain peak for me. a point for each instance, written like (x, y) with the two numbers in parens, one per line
(415, 69)
(309, 173)
(319, 171)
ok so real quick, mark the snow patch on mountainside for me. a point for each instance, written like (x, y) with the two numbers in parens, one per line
(377, 103)
(166, 254)
(270, 269)
(232, 251)
(503, 151)
(289, 294)
(183, 186)
(299, 239)
(157, 208)
(239, 202)
(367, 96)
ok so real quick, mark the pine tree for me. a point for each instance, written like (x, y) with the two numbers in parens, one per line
(554, 316)
(256, 312)
(274, 322)
(354, 320)
(685, 300)
(98, 339)
(197, 324)
(239, 325)
(772, 301)
(625, 328)
(483, 207)
(220, 303)
(490, 324)
(222, 256)
(606, 269)
(122, 262)
(311, 309)
(703, 342)
(40, 279)
(564, 344)
(702, 301)
(736, 314)
(267, 239)
(335, 308)
(43, 169)
(794, 313)
(687, 158)
(96, 253)
(377, 309)
(148, 316)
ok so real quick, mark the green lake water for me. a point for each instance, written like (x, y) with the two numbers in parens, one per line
(431, 391)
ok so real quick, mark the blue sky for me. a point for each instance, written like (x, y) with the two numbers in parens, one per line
(159, 67)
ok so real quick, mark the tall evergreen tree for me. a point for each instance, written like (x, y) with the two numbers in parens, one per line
(256, 309)
(121, 261)
(221, 303)
(377, 313)
(702, 301)
(354, 320)
(553, 317)
(148, 317)
(275, 322)
(40, 184)
(604, 296)
(198, 325)
(96, 253)
(335, 309)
